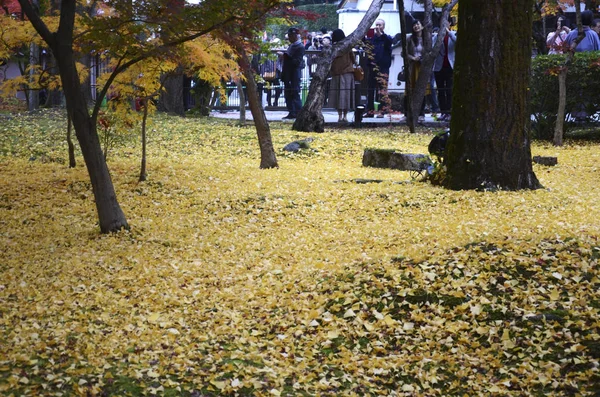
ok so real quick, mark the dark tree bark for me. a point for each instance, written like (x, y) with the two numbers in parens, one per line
(489, 146)
(171, 99)
(310, 118)
(110, 215)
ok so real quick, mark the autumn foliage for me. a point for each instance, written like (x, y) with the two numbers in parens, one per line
(291, 281)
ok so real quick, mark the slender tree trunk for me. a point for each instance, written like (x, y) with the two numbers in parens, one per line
(407, 89)
(72, 162)
(430, 52)
(143, 174)
(562, 104)
(489, 145)
(242, 96)
(310, 118)
(263, 131)
(562, 81)
(33, 98)
(110, 214)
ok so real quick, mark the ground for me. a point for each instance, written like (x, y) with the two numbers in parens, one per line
(292, 281)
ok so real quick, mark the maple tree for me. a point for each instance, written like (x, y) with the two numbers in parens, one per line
(131, 32)
(489, 145)
(295, 281)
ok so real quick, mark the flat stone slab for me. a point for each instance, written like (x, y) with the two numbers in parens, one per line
(393, 159)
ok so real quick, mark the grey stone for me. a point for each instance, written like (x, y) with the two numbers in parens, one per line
(296, 146)
(390, 158)
(545, 160)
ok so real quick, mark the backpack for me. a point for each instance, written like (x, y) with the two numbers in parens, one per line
(437, 146)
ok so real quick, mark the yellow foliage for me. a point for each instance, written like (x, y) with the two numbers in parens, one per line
(240, 281)
(211, 59)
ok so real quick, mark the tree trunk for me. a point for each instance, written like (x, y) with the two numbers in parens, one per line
(489, 146)
(407, 89)
(242, 96)
(562, 104)
(33, 98)
(72, 162)
(263, 131)
(110, 215)
(562, 81)
(171, 98)
(430, 53)
(310, 118)
(143, 174)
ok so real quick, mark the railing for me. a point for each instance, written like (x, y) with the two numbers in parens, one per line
(276, 89)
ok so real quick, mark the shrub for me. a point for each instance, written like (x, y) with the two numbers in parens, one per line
(583, 89)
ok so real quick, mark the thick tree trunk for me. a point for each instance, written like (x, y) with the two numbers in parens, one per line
(489, 146)
(171, 98)
(310, 118)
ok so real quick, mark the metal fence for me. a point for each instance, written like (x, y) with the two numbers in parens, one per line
(272, 91)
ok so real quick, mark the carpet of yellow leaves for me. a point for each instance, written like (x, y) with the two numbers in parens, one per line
(294, 281)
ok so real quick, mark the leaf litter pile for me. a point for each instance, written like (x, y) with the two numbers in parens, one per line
(293, 281)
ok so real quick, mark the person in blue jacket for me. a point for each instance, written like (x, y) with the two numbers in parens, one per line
(291, 74)
(379, 66)
(590, 41)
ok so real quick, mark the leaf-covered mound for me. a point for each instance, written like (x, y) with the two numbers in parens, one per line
(295, 281)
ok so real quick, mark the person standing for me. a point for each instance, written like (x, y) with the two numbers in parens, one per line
(414, 50)
(443, 70)
(590, 41)
(596, 27)
(341, 89)
(555, 39)
(379, 66)
(291, 75)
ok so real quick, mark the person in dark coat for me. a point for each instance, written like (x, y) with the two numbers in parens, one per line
(291, 75)
(379, 65)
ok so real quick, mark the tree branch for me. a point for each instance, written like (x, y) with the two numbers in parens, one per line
(37, 22)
